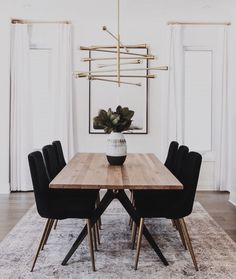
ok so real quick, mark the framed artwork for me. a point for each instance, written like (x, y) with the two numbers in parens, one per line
(105, 95)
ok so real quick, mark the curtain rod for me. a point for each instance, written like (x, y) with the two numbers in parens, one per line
(198, 23)
(26, 21)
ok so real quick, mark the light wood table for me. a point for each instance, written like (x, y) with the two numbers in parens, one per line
(139, 172)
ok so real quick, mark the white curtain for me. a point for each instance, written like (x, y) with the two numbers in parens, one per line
(22, 137)
(174, 102)
(222, 166)
(21, 132)
(62, 90)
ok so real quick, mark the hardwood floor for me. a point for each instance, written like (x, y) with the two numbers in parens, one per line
(222, 211)
(15, 205)
(12, 209)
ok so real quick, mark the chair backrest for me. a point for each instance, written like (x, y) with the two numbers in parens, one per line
(180, 157)
(59, 153)
(40, 182)
(189, 178)
(50, 157)
(169, 163)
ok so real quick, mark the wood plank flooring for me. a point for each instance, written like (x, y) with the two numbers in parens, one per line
(14, 206)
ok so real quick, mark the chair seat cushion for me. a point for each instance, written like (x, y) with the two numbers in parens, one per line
(159, 204)
(70, 207)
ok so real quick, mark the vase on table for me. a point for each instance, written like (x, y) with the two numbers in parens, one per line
(116, 149)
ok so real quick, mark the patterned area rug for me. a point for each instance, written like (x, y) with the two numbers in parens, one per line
(215, 251)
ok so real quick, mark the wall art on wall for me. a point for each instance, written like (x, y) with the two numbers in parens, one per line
(104, 95)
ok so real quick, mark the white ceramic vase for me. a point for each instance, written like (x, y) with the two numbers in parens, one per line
(116, 148)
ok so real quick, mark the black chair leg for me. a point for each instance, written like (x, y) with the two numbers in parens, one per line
(40, 243)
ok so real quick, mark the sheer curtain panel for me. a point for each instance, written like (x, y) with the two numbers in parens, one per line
(62, 89)
(21, 125)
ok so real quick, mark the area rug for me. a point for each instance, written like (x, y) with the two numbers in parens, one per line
(215, 251)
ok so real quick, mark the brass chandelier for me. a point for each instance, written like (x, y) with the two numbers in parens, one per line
(122, 56)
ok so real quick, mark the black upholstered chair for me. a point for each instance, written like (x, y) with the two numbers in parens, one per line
(59, 153)
(61, 163)
(170, 158)
(54, 160)
(179, 160)
(174, 205)
(52, 206)
(174, 162)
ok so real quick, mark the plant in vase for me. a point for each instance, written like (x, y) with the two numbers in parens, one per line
(114, 123)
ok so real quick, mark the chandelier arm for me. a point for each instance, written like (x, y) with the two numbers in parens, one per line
(109, 32)
(116, 81)
(87, 59)
(113, 51)
(124, 63)
(126, 76)
(161, 68)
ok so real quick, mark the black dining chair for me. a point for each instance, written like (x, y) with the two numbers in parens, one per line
(54, 206)
(175, 159)
(171, 155)
(179, 159)
(174, 205)
(54, 166)
(62, 163)
(59, 153)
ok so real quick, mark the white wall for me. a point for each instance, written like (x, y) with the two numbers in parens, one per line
(143, 21)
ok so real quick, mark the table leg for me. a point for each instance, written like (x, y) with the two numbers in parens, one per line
(108, 197)
(124, 200)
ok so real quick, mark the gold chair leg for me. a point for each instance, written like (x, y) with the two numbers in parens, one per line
(98, 234)
(94, 238)
(55, 225)
(188, 242)
(133, 234)
(40, 244)
(179, 228)
(47, 233)
(91, 243)
(140, 234)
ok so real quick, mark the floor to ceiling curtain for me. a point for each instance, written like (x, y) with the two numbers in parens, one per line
(223, 152)
(22, 114)
(21, 125)
(62, 89)
(174, 108)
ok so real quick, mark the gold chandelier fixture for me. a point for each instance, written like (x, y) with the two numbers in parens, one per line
(122, 56)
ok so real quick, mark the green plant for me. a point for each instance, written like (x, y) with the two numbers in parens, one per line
(113, 121)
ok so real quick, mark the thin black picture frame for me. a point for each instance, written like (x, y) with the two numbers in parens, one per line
(146, 106)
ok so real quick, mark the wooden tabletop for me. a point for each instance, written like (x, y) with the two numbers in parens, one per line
(92, 171)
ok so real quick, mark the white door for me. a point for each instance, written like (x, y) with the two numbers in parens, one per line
(202, 73)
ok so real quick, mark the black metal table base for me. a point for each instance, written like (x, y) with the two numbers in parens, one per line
(124, 200)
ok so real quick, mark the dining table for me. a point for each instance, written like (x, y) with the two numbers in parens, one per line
(140, 171)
